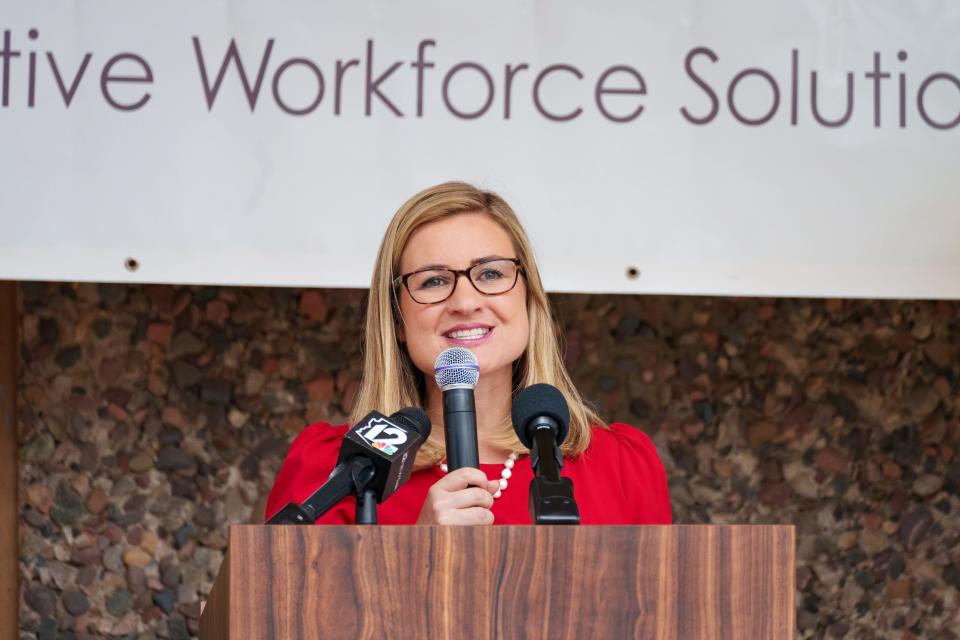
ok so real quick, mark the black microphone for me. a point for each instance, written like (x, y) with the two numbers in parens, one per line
(457, 371)
(376, 457)
(541, 419)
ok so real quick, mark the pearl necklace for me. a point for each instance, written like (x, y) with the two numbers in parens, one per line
(504, 475)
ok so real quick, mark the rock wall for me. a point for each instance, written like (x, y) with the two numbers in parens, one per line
(152, 416)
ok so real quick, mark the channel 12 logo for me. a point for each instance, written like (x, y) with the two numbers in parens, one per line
(383, 435)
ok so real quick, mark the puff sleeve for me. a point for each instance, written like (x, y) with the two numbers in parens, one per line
(643, 478)
(310, 459)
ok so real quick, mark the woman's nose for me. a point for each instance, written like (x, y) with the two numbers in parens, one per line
(465, 297)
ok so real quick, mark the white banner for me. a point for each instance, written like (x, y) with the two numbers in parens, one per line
(739, 147)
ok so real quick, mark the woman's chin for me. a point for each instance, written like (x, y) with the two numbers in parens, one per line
(495, 365)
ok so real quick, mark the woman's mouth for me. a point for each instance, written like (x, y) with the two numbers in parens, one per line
(472, 335)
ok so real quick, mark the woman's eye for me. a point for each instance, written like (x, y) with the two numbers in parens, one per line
(490, 274)
(432, 282)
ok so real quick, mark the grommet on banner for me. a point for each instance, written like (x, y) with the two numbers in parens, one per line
(131, 264)
(633, 273)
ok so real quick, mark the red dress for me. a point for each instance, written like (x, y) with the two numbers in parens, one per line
(618, 480)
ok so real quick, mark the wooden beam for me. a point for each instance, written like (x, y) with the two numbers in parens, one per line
(9, 469)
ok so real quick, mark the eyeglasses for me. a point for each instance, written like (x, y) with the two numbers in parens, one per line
(491, 278)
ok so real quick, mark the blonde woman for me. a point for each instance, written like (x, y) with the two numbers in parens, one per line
(455, 268)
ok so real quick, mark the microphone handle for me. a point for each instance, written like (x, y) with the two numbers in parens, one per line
(545, 458)
(460, 428)
(342, 482)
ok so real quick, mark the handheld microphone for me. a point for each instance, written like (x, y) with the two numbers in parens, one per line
(457, 371)
(541, 419)
(376, 457)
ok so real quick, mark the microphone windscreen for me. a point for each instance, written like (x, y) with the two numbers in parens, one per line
(414, 418)
(535, 401)
(456, 367)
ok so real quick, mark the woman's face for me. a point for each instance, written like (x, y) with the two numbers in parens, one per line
(495, 328)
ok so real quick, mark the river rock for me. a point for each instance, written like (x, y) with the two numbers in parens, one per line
(873, 541)
(68, 506)
(39, 449)
(68, 356)
(165, 599)
(313, 306)
(136, 557)
(41, 599)
(922, 402)
(185, 343)
(216, 391)
(927, 484)
(185, 375)
(914, 525)
(113, 558)
(173, 459)
(760, 433)
(119, 602)
(141, 462)
(96, 501)
(40, 497)
(49, 330)
(76, 603)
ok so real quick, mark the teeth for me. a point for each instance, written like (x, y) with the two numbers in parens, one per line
(469, 333)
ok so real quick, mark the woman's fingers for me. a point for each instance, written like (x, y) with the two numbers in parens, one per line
(470, 516)
(464, 496)
(477, 515)
(470, 497)
(463, 478)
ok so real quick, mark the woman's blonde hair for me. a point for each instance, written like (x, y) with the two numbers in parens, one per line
(390, 379)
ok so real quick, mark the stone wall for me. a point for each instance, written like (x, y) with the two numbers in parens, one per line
(151, 417)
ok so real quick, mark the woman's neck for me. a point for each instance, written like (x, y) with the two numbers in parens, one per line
(492, 397)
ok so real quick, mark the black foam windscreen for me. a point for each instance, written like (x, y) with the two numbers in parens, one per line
(414, 418)
(536, 401)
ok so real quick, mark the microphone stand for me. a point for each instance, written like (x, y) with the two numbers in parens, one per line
(366, 512)
(551, 496)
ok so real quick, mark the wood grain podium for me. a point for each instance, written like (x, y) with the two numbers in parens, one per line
(505, 582)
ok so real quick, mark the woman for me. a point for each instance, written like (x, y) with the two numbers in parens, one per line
(456, 269)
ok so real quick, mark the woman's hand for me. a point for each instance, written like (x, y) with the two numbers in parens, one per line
(463, 496)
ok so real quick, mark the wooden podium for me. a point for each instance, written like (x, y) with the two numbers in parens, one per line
(504, 582)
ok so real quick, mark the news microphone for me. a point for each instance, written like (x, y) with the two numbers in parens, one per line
(456, 371)
(376, 457)
(541, 420)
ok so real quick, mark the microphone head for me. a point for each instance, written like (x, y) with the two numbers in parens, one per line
(537, 401)
(391, 443)
(456, 368)
(414, 418)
